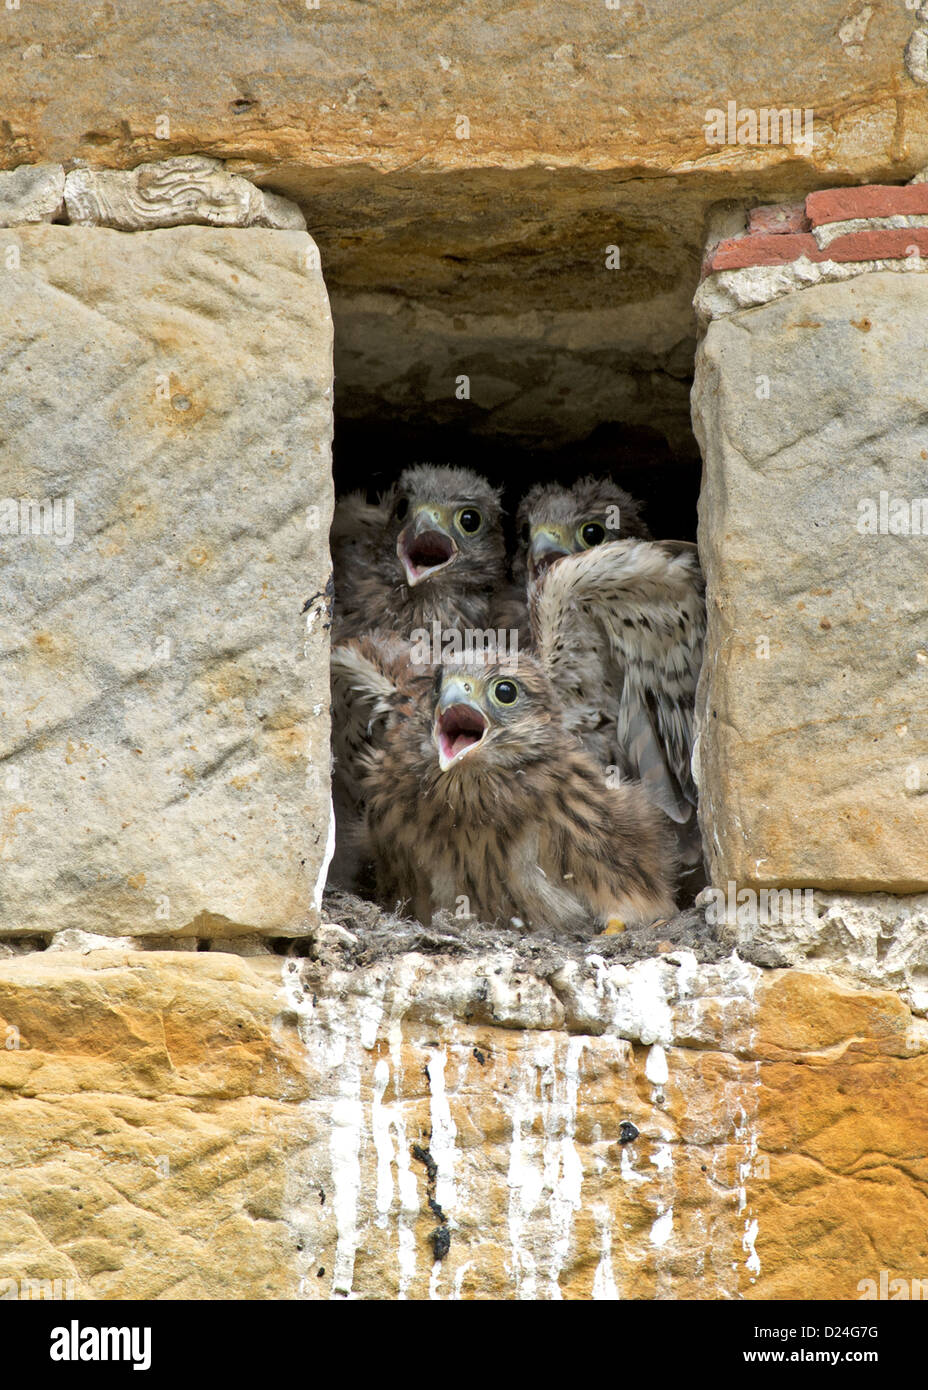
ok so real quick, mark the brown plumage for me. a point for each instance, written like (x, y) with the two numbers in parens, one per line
(479, 800)
(619, 630)
(374, 683)
(428, 558)
(432, 550)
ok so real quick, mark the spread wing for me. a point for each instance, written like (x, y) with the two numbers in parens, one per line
(619, 630)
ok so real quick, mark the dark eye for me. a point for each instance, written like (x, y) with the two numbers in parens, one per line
(469, 520)
(592, 533)
(505, 692)
(401, 508)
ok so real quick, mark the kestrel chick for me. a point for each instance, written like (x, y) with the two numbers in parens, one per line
(482, 799)
(431, 550)
(553, 521)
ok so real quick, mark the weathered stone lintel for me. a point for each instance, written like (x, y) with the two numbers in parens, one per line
(187, 190)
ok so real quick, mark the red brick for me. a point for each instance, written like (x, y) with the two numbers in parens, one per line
(738, 252)
(886, 244)
(869, 200)
(876, 244)
(778, 218)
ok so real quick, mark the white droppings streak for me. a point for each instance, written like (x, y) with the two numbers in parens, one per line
(545, 1174)
(444, 1133)
(380, 1129)
(326, 860)
(345, 1156)
(562, 1170)
(604, 1286)
(627, 1171)
(409, 1206)
(747, 1244)
(522, 1199)
(662, 1229)
(406, 1255)
(371, 1012)
(655, 1068)
(662, 1158)
(648, 992)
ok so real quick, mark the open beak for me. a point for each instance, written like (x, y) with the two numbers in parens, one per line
(424, 547)
(459, 727)
(548, 545)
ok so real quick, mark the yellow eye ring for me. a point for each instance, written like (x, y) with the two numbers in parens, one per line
(504, 692)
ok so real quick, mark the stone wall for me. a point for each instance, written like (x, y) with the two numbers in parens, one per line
(464, 171)
(810, 406)
(188, 1112)
(211, 1126)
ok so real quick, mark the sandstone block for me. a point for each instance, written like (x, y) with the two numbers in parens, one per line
(814, 696)
(31, 193)
(165, 458)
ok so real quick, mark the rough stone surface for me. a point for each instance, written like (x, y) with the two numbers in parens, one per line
(174, 192)
(484, 255)
(144, 1144)
(730, 290)
(813, 703)
(877, 939)
(160, 693)
(190, 1126)
(32, 193)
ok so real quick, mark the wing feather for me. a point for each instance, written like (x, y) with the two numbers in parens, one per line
(374, 684)
(619, 630)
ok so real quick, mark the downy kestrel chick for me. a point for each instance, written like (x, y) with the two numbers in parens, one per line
(553, 520)
(431, 550)
(481, 799)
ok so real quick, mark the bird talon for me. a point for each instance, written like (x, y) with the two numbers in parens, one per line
(614, 927)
